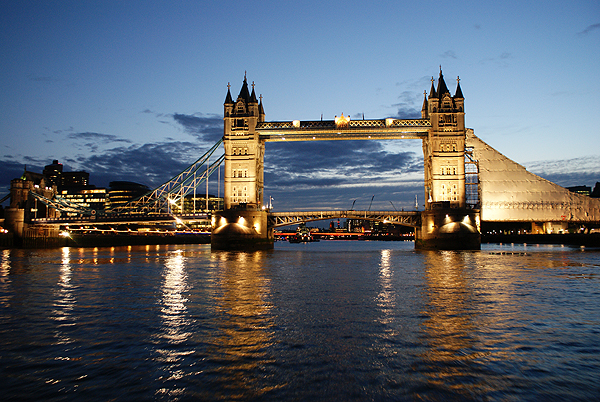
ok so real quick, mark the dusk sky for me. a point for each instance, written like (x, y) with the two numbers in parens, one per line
(134, 90)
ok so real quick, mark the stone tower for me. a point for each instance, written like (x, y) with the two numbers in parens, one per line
(444, 151)
(242, 225)
(244, 152)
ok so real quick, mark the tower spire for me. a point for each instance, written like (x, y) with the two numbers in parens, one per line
(253, 94)
(458, 94)
(432, 93)
(425, 106)
(244, 93)
(442, 88)
(228, 98)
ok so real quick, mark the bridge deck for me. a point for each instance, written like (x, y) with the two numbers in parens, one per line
(116, 219)
(328, 130)
(406, 218)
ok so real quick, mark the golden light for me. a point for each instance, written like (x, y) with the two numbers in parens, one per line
(389, 122)
(241, 220)
(296, 123)
(342, 121)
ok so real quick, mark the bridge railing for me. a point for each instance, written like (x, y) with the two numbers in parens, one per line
(330, 124)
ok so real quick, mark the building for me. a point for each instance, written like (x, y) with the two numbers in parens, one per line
(584, 190)
(197, 203)
(88, 197)
(74, 179)
(596, 191)
(53, 173)
(122, 192)
(23, 206)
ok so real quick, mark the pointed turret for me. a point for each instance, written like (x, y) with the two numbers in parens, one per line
(228, 99)
(244, 93)
(253, 94)
(424, 113)
(442, 89)
(261, 111)
(458, 94)
(432, 93)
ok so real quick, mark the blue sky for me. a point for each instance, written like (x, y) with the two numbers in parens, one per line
(134, 90)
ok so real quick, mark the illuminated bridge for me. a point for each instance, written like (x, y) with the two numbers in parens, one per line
(466, 181)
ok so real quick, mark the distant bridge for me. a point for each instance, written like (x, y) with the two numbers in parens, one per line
(405, 218)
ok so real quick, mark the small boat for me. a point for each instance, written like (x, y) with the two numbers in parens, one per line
(302, 235)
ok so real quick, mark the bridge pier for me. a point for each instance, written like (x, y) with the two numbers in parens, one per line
(241, 229)
(448, 229)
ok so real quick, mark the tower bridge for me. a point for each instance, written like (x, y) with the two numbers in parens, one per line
(466, 181)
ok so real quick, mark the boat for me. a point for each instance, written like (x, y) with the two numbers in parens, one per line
(302, 235)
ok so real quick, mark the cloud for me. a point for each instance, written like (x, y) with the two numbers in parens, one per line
(92, 141)
(208, 128)
(9, 170)
(589, 29)
(409, 105)
(341, 169)
(570, 172)
(501, 61)
(96, 137)
(449, 54)
(151, 164)
(152, 112)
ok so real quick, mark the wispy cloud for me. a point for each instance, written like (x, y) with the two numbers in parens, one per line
(96, 137)
(208, 128)
(502, 60)
(91, 141)
(449, 54)
(152, 112)
(570, 172)
(409, 105)
(151, 164)
(589, 29)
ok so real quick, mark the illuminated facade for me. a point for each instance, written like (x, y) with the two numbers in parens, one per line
(444, 149)
(244, 151)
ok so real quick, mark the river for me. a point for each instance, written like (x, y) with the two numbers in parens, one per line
(332, 321)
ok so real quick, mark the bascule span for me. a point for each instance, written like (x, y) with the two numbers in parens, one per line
(509, 193)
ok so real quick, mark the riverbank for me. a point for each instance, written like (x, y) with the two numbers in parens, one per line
(573, 239)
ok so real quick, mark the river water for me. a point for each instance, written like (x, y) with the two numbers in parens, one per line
(335, 320)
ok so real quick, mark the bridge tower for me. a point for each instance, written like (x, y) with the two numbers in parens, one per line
(446, 221)
(243, 222)
(244, 152)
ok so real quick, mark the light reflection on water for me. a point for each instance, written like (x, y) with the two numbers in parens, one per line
(330, 321)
